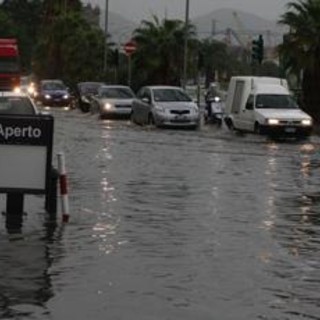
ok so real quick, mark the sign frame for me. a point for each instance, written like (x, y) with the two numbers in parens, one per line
(29, 132)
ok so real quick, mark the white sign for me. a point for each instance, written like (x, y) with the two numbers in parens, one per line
(25, 153)
(26, 169)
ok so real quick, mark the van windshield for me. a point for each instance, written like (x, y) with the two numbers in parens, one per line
(275, 101)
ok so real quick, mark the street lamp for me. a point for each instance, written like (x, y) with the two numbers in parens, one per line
(185, 58)
(106, 18)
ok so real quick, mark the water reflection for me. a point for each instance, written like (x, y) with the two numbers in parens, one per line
(25, 281)
(174, 225)
(295, 227)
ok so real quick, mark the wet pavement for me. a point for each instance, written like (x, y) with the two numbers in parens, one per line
(169, 225)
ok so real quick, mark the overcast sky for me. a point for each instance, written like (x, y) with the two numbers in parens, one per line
(137, 10)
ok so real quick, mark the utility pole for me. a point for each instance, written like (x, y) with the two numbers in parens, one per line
(106, 22)
(185, 58)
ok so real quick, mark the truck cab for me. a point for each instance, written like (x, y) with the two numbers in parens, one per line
(264, 105)
(9, 64)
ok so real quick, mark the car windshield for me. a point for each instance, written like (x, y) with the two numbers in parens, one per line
(167, 95)
(16, 105)
(53, 86)
(117, 93)
(91, 88)
(275, 101)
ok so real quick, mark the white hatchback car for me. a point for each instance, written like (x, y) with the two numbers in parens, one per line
(165, 106)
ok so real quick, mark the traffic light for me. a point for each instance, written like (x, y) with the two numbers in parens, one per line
(257, 49)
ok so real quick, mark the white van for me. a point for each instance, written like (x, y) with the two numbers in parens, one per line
(264, 105)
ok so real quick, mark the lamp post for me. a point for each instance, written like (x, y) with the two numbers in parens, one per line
(106, 18)
(185, 58)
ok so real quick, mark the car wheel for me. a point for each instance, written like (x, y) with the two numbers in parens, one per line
(132, 117)
(151, 119)
(257, 128)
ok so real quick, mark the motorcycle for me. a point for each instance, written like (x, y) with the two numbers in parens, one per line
(214, 111)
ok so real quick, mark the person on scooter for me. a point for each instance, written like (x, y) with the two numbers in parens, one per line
(212, 95)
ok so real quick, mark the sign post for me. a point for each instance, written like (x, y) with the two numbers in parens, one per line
(25, 158)
(129, 48)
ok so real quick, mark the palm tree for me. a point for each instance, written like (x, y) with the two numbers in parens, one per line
(160, 50)
(301, 49)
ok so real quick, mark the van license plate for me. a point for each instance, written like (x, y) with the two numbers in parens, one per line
(290, 130)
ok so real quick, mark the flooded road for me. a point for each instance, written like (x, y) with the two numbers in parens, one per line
(170, 225)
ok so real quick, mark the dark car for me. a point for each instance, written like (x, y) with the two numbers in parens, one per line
(84, 93)
(54, 93)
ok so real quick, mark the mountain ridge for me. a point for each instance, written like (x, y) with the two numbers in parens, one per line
(212, 25)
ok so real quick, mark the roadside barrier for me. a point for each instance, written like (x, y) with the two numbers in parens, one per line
(63, 187)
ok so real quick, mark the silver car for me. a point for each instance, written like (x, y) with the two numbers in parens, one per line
(113, 101)
(165, 106)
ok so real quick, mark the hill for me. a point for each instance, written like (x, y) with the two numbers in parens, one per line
(246, 25)
(216, 24)
(119, 27)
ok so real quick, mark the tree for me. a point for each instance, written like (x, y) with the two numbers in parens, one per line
(216, 59)
(159, 52)
(300, 51)
(7, 26)
(70, 48)
(26, 16)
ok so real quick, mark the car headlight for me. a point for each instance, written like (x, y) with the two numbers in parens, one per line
(306, 122)
(31, 90)
(159, 109)
(273, 122)
(66, 96)
(47, 96)
(107, 106)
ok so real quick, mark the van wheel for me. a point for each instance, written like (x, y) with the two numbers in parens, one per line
(229, 123)
(257, 128)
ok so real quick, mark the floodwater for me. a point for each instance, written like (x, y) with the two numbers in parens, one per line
(169, 225)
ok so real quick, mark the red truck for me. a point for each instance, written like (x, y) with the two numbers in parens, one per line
(9, 64)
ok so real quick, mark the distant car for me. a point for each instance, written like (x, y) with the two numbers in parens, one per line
(17, 103)
(54, 93)
(165, 106)
(113, 101)
(84, 93)
(27, 85)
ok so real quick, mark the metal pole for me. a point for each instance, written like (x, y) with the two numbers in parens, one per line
(106, 18)
(185, 58)
(129, 70)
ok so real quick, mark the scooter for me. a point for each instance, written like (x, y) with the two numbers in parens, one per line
(214, 111)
